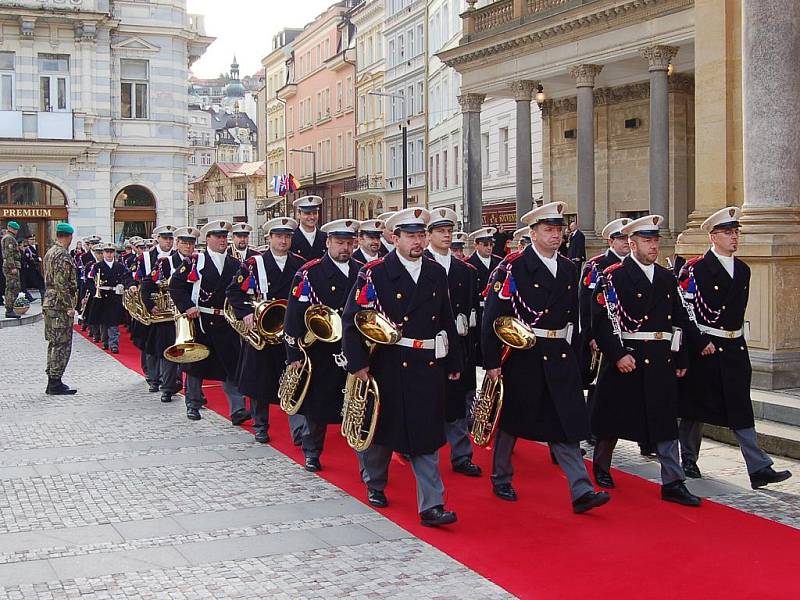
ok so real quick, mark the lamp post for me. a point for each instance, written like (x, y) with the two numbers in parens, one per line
(404, 131)
(313, 154)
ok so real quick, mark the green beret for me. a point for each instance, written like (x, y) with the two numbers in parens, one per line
(65, 228)
(13, 225)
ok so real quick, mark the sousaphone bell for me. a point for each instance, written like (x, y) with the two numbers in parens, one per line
(185, 349)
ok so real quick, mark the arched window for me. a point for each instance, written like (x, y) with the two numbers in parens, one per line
(36, 205)
(134, 213)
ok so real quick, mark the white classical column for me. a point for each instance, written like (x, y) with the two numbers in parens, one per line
(584, 76)
(472, 173)
(523, 94)
(658, 58)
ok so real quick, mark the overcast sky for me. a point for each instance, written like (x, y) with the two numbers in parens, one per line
(245, 28)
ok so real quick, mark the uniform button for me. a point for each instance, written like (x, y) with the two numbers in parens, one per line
(716, 287)
(669, 360)
(546, 310)
(535, 285)
(433, 318)
(545, 357)
(647, 361)
(569, 287)
(459, 284)
(333, 288)
(434, 293)
(639, 295)
(723, 307)
(405, 319)
(568, 311)
(405, 364)
(720, 349)
(399, 295)
(645, 317)
(430, 364)
(669, 317)
(563, 356)
(741, 347)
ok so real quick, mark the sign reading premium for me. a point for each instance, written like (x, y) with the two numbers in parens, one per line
(22, 213)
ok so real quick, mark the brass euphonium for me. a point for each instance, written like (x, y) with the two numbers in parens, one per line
(268, 327)
(362, 399)
(323, 324)
(185, 349)
(515, 335)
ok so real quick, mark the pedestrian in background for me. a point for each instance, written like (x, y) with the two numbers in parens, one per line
(58, 306)
(12, 264)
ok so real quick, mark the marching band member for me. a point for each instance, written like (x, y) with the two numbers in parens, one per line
(240, 247)
(716, 388)
(521, 239)
(543, 397)
(370, 234)
(387, 239)
(412, 374)
(198, 291)
(328, 281)
(459, 240)
(107, 310)
(461, 279)
(92, 257)
(636, 314)
(485, 263)
(265, 277)
(308, 241)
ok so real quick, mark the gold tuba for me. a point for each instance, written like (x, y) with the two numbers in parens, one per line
(323, 324)
(185, 349)
(268, 329)
(515, 335)
(362, 399)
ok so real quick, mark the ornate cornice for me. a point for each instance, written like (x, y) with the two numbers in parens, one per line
(584, 75)
(580, 23)
(523, 90)
(471, 102)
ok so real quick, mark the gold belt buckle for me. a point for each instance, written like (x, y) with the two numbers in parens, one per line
(551, 333)
(730, 334)
(658, 335)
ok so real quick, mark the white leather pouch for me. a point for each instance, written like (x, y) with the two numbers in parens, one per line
(462, 324)
(441, 344)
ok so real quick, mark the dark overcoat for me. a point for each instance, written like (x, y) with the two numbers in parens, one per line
(108, 310)
(258, 371)
(412, 381)
(716, 388)
(301, 247)
(543, 398)
(641, 405)
(319, 281)
(210, 329)
(160, 336)
(482, 279)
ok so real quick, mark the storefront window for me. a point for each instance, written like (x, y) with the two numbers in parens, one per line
(31, 192)
(134, 213)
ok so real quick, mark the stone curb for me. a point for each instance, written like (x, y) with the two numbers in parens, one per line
(27, 320)
(771, 444)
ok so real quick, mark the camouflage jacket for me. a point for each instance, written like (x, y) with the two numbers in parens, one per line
(59, 279)
(11, 255)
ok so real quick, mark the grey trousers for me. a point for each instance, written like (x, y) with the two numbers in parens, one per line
(568, 455)
(666, 452)
(194, 394)
(297, 424)
(168, 375)
(457, 433)
(313, 438)
(109, 334)
(150, 366)
(374, 463)
(690, 434)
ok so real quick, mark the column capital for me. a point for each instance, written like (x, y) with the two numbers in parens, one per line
(471, 102)
(523, 89)
(659, 57)
(584, 74)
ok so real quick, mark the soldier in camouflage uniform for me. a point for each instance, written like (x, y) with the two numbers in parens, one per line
(59, 308)
(12, 265)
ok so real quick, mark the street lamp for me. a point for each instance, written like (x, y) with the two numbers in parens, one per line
(404, 130)
(313, 166)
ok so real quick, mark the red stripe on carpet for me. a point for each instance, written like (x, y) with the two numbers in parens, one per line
(634, 547)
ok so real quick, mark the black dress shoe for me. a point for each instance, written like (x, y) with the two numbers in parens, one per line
(114, 350)
(12, 315)
(676, 492)
(436, 516)
(152, 387)
(193, 414)
(468, 468)
(504, 491)
(262, 437)
(105, 346)
(766, 476)
(589, 501)
(377, 498)
(312, 465)
(297, 441)
(166, 397)
(691, 469)
(240, 416)
(603, 478)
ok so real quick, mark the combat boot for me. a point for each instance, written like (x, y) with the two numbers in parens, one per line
(55, 387)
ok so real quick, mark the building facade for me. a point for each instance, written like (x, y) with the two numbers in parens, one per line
(94, 114)
(320, 109)
(203, 151)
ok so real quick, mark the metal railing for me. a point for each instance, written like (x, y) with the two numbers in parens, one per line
(365, 182)
(498, 14)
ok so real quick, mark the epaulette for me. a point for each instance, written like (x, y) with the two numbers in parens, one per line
(296, 255)
(312, 263)
(693, 261)
(594, 259)
(358, 262)
(373, 263)
(610, 269)
(470, 265)
(497, 256)
(512, 256)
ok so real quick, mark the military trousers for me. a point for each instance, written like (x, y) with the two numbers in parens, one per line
(12, 290)
(690, 434)
(58, 333)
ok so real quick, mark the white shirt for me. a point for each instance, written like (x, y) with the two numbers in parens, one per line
(414, 267)
(649, 270)
(309, 236)
(614, 252)
(109, 263)
(727, 261)
(343, 267)
(486, 261)
(550, 262)
(218, 258)
(280, 261)
(367, 257)
(386, 244)
(162, 254)
(442, 259)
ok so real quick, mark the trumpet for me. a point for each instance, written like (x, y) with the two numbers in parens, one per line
(323, 324)
(488, 404)
(98, 282)
(362, 399)
(185, 349)
(268, 330)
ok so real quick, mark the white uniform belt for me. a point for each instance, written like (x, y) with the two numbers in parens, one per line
(210, 311)
(483, 303)
(557, 334)
(417, 344)
(722, 333)
(107, 288)
(657, 336)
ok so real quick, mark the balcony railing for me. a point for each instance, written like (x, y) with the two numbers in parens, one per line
(484, 20)
(363, 183)
(33, 125)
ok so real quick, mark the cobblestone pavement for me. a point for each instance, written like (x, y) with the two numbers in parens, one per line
(112, 494)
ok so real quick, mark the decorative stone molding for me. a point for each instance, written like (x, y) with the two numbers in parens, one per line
(471, 102)
(584, 75)
(86, 31)
(27, 25)
(523, 90)
(659, 57)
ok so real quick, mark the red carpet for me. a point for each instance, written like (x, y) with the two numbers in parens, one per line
(635, 547)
